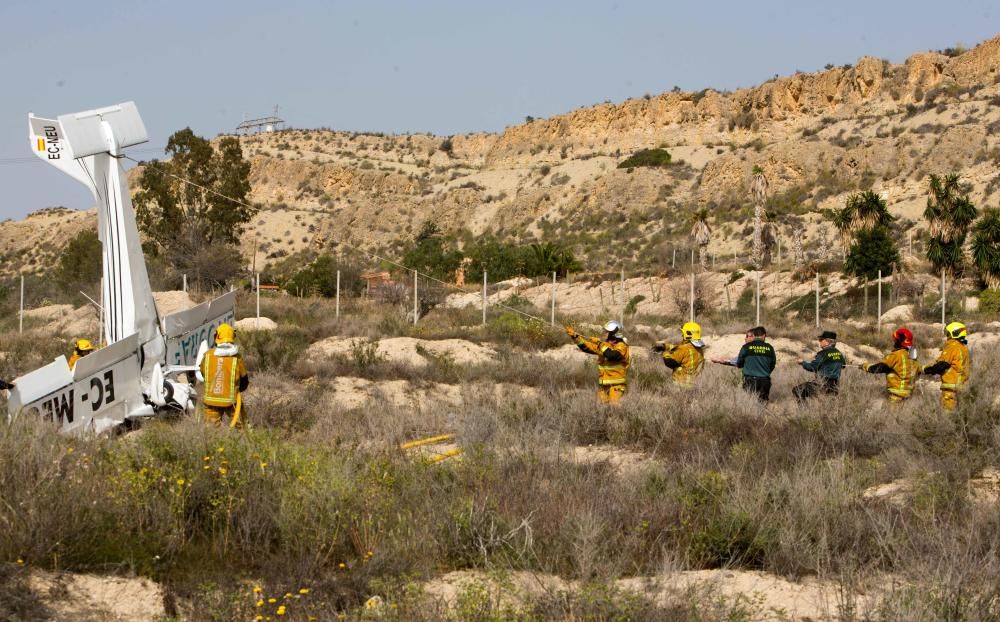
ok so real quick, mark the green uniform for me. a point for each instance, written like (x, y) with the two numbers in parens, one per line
(827, 364)
(757, 360)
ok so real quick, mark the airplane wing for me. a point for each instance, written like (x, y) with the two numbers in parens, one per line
(100, 393)
(186, 330)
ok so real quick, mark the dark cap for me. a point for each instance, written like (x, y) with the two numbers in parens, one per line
(828, 334)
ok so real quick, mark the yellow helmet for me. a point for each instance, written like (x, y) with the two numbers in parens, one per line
(691, 331)
(83, 345)
(224, 334)
(956, 330)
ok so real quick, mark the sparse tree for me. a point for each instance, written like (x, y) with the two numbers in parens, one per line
(194, 205)
(701, 233)
(986, 247)
(949, 215)
(758, 196)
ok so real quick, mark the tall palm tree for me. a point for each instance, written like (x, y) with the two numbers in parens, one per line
(798, 254)
(702, 235)
(986, 247)
(863, 212)
(758, 195)
(842, 219)
(949, 215)
(868, 210)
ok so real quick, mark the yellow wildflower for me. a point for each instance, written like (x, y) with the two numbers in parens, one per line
(221, 449)
(20, 561)
(223, 470)
(259, 603)
(257, 589)
(69, 450)
(180, 481)
(304, 590)
(207, 458)
(259, 618)
(280, 611)
(288, 594)
(272, 600)
(341, 565)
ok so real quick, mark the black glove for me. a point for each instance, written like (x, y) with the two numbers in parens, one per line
(660, 347)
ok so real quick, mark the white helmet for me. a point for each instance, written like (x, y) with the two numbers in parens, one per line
(614, 327)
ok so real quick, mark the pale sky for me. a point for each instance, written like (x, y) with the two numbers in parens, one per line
(415, 66)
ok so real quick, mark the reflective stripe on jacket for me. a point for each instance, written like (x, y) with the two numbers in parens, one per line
(609, 372)
(904, 372)
(222, 375)
(956, 354)
(691, 360)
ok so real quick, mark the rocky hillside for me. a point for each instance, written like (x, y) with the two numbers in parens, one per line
(818, 137)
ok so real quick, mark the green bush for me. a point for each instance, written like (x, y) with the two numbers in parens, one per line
(989, 301)
(647, 157)
(319, 278)
(80, 261)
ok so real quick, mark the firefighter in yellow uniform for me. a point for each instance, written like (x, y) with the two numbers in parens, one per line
(686, 358)
(225, 377)
(899, 367)
(613, 359)
(81, 348)
(953, 365)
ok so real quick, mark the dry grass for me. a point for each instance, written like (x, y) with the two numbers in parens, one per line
(729, 483)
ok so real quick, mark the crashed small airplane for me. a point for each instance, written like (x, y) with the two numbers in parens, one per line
(136, 375)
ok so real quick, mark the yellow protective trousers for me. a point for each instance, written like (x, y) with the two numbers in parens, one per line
(611, 394)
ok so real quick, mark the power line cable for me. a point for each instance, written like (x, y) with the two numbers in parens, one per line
(31, 159)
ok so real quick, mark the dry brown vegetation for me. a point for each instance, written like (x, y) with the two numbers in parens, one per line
(317, 495)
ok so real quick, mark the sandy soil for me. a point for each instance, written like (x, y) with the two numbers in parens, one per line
(406, 350)
(172, 301)
(253, 323)
(810, 599)
(350, 392)
(622, 461)
(103, 598)
(984, 488)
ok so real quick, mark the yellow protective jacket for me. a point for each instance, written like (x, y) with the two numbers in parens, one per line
(955, 355)
(900, 370)
(689, 361)
(613, 359)
(225, 376)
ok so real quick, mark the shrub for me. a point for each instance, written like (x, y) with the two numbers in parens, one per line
(80, 261)
(989, 301)
(319, 278)
(647, 157)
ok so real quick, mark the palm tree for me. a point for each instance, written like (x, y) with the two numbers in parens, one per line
(986, 247)
(862, 213)
(798, 256)
(702, 235)
(949, 215)
(868, 210)
(841, 219)
(758, 195)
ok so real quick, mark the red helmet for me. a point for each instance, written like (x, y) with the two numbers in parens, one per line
(903, 337)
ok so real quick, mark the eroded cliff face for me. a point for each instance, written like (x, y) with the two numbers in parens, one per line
(872, 86)
(818, 136)
(823, 135)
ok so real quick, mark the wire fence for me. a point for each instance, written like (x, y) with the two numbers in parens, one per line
(598, 293)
